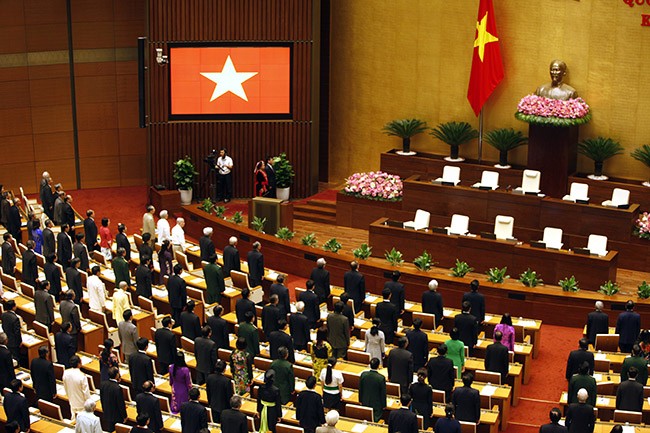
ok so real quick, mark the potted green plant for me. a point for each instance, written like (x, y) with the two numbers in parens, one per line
(643, 154)
(504, 140)
(284, 175)
(184, 175)
(405, 129)
(599, 149)
(454, 134)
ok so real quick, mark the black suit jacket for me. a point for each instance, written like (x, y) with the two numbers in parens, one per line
(219, 389)
(113, 405)
(284, 303)
(309, 410)
(143, 281)
(576, 358)
(165, 346)
(497, 360)
(477, 301)
(321, 279)
(67, 215)
(30, 267)
(580, 418)
(205, 351)
(207, 247)
(13, 222)
(66, 346)
(123, 242)
(193, 417)
(441, 373)
(146, 402)
(64, 249)
(270, 316)
(190, 325)
(255, 261)
(355, 285)
(388, 313)
(419, 347)
(312, 311)
(270, 177)
(432, 304)
(11, 327)
(17, 409)
(242, 306)
(397, 293)
(145, 250)
(299, 326)
(177, 290)
(7, 367)
(70, 313)
(79, 250)
(219, 328)
(467, 329)
(49, 242)
(73, 279)
(552, 428)
(141, 370)
(400, 367)
(467, 403)
(53, 275)
(597, 323)
(8, 258)
(90, 233)
(42, 372)
(403, 421)
(233, 421)
(230, 260)
(628, 326)
(277, 339)
(629, 396)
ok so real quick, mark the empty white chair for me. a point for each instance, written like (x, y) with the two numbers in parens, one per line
(459, 225)
(553, 238)
(597, 244)
(489, 179)
(530, 182)
(620, 197)
(420, 222)
(503, 226)
(578, 191)
(450, 174)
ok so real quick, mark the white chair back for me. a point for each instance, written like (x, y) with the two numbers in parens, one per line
(579, 191)
(459, 225)
(597, 244)
(503, 226)
(451, 174)
(490, 179)
(420, 222)
(530, 181)
(553, 238)
(620, 197)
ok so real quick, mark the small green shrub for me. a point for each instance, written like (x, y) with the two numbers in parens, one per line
(569, 284)
(258, 223)
(207, 205)
(609, 288)
(309, 240)
(530, 278)
(285, 234)
(363, 252)
(237, 217)
(644, 290)
(496, 275)
(219, 211)
(460, 269)
(394, 257)
(424, 261)
(332, 245)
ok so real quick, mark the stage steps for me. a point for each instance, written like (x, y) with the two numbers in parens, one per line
(320, 211)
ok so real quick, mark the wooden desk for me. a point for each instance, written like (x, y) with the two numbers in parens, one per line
(606, 405)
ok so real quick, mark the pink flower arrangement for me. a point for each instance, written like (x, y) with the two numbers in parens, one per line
(541, 110)
(374, 185)
(642, 228)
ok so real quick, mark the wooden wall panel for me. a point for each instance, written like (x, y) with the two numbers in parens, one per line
(50, 91)
(53, 118)
(15, 121)
(100, 171)
(13, 39)
(17, 149)
(14, 94)
(14, 175)
(53, 146)
(98, 143)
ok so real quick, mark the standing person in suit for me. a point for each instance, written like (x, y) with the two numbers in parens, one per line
(80, 251)
(13, 219)
(580, 417)
(42, 372)
(8, 255)
(177, 292)
(11, 327)
(87, 421)
(49, 241)
(321, 278)
(90, 231)
(214, 282)
(190, 322)
(400, 365)
(121, 268)
(67, 213)
(255, 261)
(354, 284)
(64, 246)
(281, 338)
(466, 400)
(248, 331)
(165, 344)
(637, 361)
(232, 420)
(432, 302)
(30, 267)
(440, 371)
(418, 344)
(73, 279)
(140, 367)
(122, 241)
(16, 405)
(270, 176)
(120, 301)
(629, 395)
(497, 358)
(397, 292)
(206, 245)
(338, 331)
(467, 326)
(403, 420)
(282, 292)
(476, 301)
(270, 316)
(231, 260)
(6, 363)
(422, 395)
(44, 305)
(144, 278)
(347, 309)
(112, 398)
(310, 299)
(628, 326)
(284, 378)
(149, 226)
(219, 390)
(299, 326)
(448, 424)
(219, 328)
(128, 333)
(309, 407)
(141, 424)
(194, 417)
(70, 313)
(577, 357)
(66, 345)
(597, 323)
(96, 289)
(372, 389)
(554, 426)
(146, 249)
(46, 195)
(331, 419)
(580, 381)
(243, 305)
(205, 352)
(388, 313)
(76, 387)
(53, 275)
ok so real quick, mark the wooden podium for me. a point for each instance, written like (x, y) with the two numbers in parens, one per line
(554, 152)
(278, 213)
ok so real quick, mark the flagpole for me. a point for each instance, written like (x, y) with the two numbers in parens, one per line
(480, 136)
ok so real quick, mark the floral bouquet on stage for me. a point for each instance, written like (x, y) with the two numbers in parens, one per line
(539, 110)
(375, 185)
(642, 227)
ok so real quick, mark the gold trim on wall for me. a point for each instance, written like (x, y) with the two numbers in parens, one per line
(43, 58)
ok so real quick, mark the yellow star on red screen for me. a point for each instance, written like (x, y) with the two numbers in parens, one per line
(228, 80)
(483, 37)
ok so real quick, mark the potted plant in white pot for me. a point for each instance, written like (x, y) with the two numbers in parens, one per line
(405, 129)
(642, 154)
(284, 175)
(599, 149)
(454, 134)
(184, 175)
(504, 140)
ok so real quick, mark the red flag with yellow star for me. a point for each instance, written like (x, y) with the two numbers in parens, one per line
(487, 66)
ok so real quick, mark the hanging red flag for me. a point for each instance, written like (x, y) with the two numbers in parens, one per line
(487, 65)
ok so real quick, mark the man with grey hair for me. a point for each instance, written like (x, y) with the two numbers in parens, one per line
(178, 235)
(232, 420)
(87, 421)
(580, 416)
(206, 244)
(321, 278)
(255, 261)
(231, 260)
(432, 301)
(597, 323)
(6, 363)
(331, 419)
(299, 326)
(163, 229)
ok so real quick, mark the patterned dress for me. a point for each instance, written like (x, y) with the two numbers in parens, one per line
(319, 357)
(242, 369)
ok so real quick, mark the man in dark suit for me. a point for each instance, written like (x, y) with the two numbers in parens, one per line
(441, 372)
(122, 241)
(67, 213)
(206, 245)
(73, 279)
(177, 291)
(629, 395)
(388, 313)
(53, 275)
(165, 344)
(219, 328)
(80, 251)
(628, 326)
(145, 249)
(580, 381)
(46, 195)
(270, 316)
(597, 323)
(321, 278)
(255, 261)
(8, 255)
(467, 327)
(64, 246)
(231, 260)
(432, 302)
(148, 403)
(299, 326)
(497, 358)
(66, 345)
(400, 365)
(280, 338)
(13, 220)
(232, 420)
(243, 305)
(372, 390)
(284, 302)
(338, 331)
(140, 367)
(554, 426)
(205, 351)
(577, 357)
(30, 267)
(219, 390)
(112, 399)
(42, 371)
(347, 308)
(90, 231)
(49, 241)
(418, 344)
(143, 278)
(310, 299)
(270, 176)
(70, 313)
(636, 360)
(190, 322)
(466, 400)
(44, 305)
(397, 293)
(403, 420)
(580, 417)
(476, 301)
(309, 407)
(355, 285)
(16, 405)
(11, 327)
(6, 363)
(193, 414)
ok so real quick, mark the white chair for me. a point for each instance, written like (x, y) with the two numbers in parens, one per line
(489, 179)
(503, 226)
(420, 222)
(459, 225)
(240, 280)
(450, 174)
(530, 182)
(597, 244)
(553, 238)
(577, 192)
(620, 197)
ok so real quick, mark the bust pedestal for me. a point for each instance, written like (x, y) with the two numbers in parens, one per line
(553, 151)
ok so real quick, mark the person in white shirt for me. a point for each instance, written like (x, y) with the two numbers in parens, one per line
(178, 235)
(96, 290)
(75, 384)
(224, 176)
(163, 229)
(87, 421)
(120, 302)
